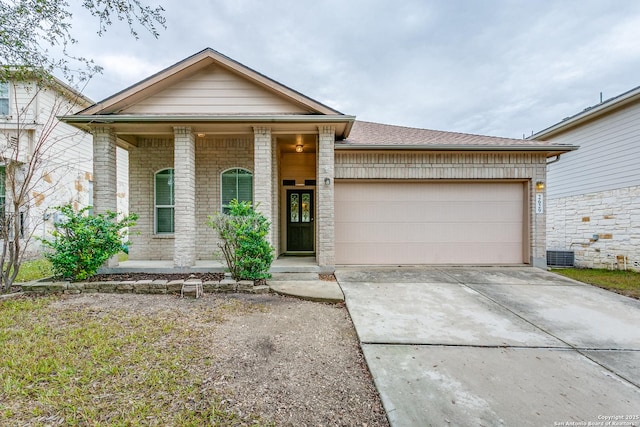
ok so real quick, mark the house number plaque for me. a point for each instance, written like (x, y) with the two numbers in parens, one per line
(539, 203)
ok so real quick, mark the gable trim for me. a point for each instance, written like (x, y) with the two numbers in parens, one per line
(190, 66)
(590, 113)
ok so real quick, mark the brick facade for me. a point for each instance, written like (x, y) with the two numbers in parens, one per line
(263, 190)
(212, 157)
(105, 173)
(526, 167)
(325, 246)
(185, 198)
(602, 228)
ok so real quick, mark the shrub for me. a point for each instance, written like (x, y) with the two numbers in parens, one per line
(243, 232)
(82, 243)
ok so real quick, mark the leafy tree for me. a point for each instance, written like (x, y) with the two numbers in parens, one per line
(82, 243)
(244, 244)
(32, 31)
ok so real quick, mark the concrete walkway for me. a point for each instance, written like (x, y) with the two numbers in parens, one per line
(496, 346)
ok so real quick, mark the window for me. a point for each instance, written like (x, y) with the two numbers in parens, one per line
(164, 202)
(4, 99)
(236, 184)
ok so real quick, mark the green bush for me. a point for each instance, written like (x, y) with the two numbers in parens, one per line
(244, 241)
(82, 243)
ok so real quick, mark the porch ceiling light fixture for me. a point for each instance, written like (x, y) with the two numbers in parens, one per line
(201, 135)
(299, 148)
(539, 186)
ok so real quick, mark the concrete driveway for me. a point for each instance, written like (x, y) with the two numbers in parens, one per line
(496, 346)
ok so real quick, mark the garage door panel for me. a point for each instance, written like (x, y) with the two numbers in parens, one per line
(435, 253)
(429, 223)
(383, 212)
(372, 233)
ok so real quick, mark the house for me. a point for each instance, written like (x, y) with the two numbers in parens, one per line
(58, 156)
(593, 194)
(209, 129)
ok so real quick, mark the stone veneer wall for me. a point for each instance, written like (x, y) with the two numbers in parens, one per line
(612, 215)
(529, 167)
(213, 156)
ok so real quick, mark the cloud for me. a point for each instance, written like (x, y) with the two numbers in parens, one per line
(497, 67)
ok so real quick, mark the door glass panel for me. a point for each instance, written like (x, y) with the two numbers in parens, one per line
(306, 207)
(293, 206)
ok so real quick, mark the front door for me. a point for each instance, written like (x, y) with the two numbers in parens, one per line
(300, 226)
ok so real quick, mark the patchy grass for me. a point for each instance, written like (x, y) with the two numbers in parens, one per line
(71, 365)
(623, 282)
(34, 270)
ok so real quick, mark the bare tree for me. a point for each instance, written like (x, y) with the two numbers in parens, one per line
(31, 31)
(38, 158)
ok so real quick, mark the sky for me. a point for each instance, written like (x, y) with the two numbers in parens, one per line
(492, 67)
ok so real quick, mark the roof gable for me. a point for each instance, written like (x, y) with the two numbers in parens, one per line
(212, 84)
(215, 90)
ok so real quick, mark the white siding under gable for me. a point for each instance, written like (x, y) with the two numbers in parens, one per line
(215, 90)
(608, 157)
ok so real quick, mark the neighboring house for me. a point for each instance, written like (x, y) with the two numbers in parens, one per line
(209, 129)
(29, 129)
(594, 193)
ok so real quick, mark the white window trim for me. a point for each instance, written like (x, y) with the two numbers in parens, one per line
(156, 206)
(8, 100)
(222, 206)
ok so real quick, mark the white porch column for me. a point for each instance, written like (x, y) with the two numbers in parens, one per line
(263, 194)
(184, 163)
(105, 175)
(325, 243)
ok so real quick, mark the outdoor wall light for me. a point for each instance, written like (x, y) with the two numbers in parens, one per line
(299, 148)
(327, 181)
(539, 186)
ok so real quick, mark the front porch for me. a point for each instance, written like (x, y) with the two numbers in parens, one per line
(283, 264)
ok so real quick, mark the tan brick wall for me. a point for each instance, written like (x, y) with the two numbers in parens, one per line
(185, 198)
(325, 241)
(529, 167)
(149, 157)
(263, 190)
(104, 170)
(214, 156)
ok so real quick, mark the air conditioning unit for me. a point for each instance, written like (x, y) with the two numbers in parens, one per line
(560, 258)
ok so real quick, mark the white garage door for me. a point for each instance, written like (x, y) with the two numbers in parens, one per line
(429, 223)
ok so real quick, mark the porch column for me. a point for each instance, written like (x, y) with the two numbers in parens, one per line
(263, 188)
(105, 176)
(325, 246)
(184, 177)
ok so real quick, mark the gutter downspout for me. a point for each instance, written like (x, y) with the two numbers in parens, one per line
(556, 159)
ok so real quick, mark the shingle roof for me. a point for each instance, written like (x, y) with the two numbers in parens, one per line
(369, 134)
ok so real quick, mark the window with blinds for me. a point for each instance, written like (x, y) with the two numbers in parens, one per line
(236, 184)
(164, 202)
(4, 99)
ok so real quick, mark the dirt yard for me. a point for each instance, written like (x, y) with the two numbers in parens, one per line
(286, 361)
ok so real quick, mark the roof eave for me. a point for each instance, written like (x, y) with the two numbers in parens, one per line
(589, 114)
(293, 118)
(551, 151)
